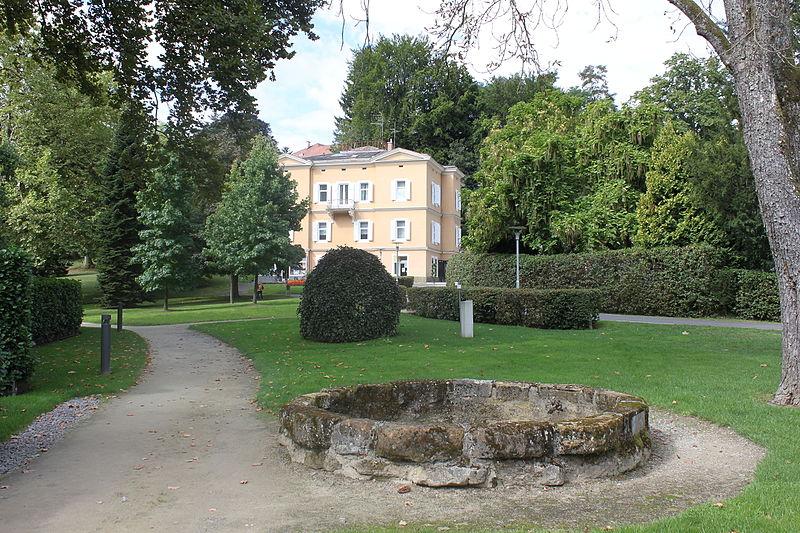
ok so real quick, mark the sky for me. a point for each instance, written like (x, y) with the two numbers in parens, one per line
(303, 101)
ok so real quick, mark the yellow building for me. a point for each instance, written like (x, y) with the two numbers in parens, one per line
(400, 205)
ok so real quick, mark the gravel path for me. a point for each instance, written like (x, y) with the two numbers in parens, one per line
(45, 431)
(677, 321)
(186, 450)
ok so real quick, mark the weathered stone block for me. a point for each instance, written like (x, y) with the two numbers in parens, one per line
(451, 476)
(309, 426)
(511, 440)
(370, 466)
(463, 388)
(590, 435)
(511, 390)
(553, 476)
(635, 414)
(419, 443)
(353, 436)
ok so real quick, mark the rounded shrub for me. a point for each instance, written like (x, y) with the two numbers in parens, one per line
(348, 297)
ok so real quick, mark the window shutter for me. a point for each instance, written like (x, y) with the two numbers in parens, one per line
(408, 190)
(370, 226)
(394, 189)
(408, 228)
(330, 230)
(393, 230)
(316, 232)
(370, 197)
(316, 192)
(356, 231)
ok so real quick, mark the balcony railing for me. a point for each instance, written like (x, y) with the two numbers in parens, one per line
(338, 205)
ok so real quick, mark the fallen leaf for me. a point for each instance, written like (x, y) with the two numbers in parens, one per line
(404, 489)
(243, 482)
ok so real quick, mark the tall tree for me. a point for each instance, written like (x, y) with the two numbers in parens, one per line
(117, 228)
(699, 95)
(249, 230)
(211, 54)
(40, 112)
(759, 43)
(594, 83)
(166, 248)
(38, 206)
(399, 88)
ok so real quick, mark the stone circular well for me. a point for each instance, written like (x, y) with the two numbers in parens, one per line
(468, 432)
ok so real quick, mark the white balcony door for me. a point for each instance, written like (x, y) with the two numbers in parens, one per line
(344, 192)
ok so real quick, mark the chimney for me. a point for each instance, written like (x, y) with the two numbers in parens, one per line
(390, 145)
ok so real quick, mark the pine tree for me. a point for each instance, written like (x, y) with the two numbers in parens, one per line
(166, 248)
(117, 228)
(249, 230)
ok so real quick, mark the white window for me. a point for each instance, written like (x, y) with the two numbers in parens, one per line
(365, 191)
(436, 233)
(401, 229)
(458, 200)
(458, 237)
(322, 232)
(401, 190)
(362, 230)
(322, 194)
(436, 194)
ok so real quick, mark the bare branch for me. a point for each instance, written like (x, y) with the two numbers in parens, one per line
(705, 26)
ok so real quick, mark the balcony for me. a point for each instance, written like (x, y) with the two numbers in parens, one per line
(338, 205)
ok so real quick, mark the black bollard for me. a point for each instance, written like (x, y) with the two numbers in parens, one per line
(119, 317)
(105, 344)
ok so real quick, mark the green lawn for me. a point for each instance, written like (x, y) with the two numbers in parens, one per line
(71, 368)
(207, 303)
(722, 375)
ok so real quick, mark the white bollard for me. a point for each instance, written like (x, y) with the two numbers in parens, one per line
(465, 315)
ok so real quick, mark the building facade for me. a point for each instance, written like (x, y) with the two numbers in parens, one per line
(399, 205)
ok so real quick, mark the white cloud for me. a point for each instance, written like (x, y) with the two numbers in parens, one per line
(303, 101)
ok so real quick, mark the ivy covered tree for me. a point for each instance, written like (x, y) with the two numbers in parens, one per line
(166, 248)
(668, 212)
(128, 168)
(249, 230)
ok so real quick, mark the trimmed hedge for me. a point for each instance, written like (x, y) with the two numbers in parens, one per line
(751, 294)
(548, 308)
(668, 281)
(406, 281)
(16, 359)
(348, 297)
(56, 310)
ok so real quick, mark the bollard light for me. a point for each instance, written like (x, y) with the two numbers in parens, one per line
(105, 344)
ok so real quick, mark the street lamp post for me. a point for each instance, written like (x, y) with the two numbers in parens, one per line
(397, 259)
(517, 232)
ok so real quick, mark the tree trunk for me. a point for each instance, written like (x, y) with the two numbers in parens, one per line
(768, 87)
(234, 288)
(255, 288)
(166, 298)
